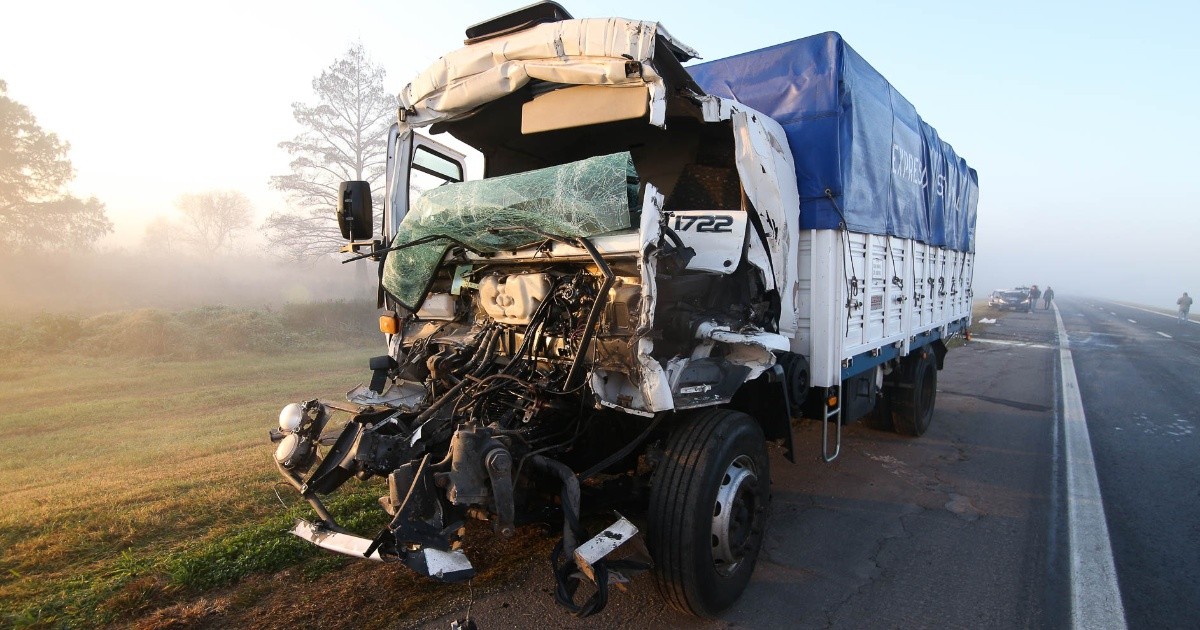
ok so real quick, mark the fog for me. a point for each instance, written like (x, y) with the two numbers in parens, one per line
(1135, 249)
(87, 284)
(1075, 118)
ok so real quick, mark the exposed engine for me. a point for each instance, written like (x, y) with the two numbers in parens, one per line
(484, 412)
(512, 392)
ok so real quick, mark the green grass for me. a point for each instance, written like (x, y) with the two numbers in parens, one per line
(133, 478)
(199, 333)
(139, 487)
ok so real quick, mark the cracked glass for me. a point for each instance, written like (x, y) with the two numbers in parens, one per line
(585, 198)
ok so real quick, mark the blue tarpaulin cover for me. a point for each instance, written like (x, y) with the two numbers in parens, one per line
(852, 134)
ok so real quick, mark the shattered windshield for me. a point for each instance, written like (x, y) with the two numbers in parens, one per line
(584, 198)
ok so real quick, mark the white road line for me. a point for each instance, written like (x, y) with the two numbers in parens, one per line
(1146, 310)
(1164, 334)
(1006, 342)
(1133, 321)
(1095, 596)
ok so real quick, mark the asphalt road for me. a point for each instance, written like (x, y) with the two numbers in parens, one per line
(968, 527)
(1139, 375)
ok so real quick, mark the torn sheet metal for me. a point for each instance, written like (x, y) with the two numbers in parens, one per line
(753, 349)
(648, 389)
(444, 566)
(758, 256)
(346, 544)
(404, 395)
(765, 166)
(605, 543)
(575, 52)
(655, 388)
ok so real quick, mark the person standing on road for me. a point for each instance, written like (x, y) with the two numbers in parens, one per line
(1185, 305)
(1034, 294)
(1048, 297)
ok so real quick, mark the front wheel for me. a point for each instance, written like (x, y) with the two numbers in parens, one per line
(708, 510)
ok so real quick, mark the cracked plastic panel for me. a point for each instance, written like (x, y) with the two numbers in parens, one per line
(584, 198)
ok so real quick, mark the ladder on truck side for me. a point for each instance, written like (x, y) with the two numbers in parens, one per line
(833, 412)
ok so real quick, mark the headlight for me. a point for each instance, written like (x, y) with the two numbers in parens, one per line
(300, 424)
(291, 417)
(294, 452)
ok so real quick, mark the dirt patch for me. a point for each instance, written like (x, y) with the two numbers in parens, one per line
(361, 594)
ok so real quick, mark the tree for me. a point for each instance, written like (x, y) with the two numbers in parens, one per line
(36, 211)
(160, 235)
(211, 220)
(344, 138)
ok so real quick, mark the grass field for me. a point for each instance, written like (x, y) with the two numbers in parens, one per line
(138, 482)
(115, 468)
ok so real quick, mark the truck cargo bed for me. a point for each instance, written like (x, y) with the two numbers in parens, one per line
(866, 298)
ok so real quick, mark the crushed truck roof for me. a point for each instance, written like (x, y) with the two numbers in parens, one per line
(592, 51)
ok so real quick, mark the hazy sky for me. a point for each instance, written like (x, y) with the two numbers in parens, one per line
(1081, 118)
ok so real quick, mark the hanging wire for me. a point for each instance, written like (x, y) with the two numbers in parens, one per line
(851, 279)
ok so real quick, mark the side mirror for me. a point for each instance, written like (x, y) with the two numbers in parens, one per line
(354, 210)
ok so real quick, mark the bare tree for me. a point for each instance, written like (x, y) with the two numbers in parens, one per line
(211, 220)
(344, 138)
(36, 211)
(160, 235)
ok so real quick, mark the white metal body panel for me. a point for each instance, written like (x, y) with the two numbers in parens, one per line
(717, 236)
(768, 175)
(861, 292)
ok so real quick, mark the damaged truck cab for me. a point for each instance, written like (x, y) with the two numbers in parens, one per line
(620, 311)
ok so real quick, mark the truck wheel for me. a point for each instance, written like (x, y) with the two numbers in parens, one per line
(795, 373)
(708, 510)
(913, 397)
(880, 418)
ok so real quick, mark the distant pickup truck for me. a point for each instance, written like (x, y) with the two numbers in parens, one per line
(619, 281)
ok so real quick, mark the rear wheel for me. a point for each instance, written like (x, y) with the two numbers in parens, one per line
(795, 373)
(913, 396)
(880, 418)
(708, 510)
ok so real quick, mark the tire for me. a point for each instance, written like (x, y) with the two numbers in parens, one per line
(880, 418)
(914, 395)
(796, 379)
(708, 510)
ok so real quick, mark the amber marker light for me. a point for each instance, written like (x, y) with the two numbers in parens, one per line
(832, 402)
(388, 324)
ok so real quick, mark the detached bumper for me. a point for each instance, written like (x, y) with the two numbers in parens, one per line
(325, 538)
(444, 566)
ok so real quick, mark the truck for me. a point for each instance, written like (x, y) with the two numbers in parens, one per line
(610, 282)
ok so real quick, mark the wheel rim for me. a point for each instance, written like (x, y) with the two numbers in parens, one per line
(734, 514)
